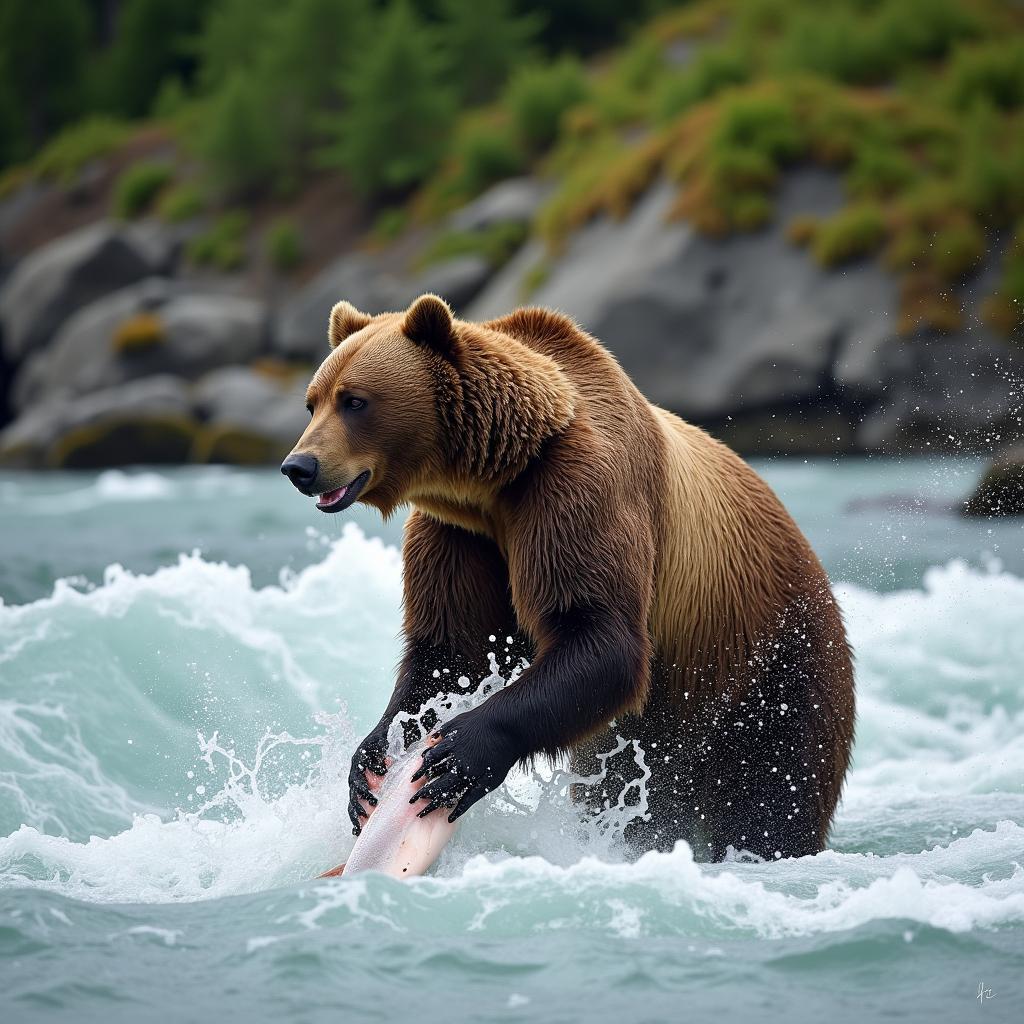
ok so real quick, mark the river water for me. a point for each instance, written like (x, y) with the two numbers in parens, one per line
(187, 657)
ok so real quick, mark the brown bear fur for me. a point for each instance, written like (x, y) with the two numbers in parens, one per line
(650, 575)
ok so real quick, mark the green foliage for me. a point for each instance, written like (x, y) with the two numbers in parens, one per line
(138, 187)
(484, 41)
(390, 223)
(43, 48)
(151, 45)
(496, 244)
(235, 36)
(1009, 308)
(180, 204)
(713, 69)
(761, 123)
(283, 245)
(851, 44)
(222, 246)
(75, 146)
(537, 98)
(991, 74)
(849, 235)
(398, 113)
(535, 278)
(239, 142)
(485, 152)
(880, 171)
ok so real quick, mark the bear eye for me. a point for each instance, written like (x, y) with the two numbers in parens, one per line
(309, 408)
(352, 403)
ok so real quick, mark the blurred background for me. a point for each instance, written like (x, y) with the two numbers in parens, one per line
(799, 224)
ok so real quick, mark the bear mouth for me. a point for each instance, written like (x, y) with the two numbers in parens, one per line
(341, 497)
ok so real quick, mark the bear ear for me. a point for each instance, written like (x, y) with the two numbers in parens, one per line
(345, 320)
(428, 322)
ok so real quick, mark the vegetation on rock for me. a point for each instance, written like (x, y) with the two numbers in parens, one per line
(139, 333)
(918, 104)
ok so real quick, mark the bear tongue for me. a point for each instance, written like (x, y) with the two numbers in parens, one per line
(330, 497)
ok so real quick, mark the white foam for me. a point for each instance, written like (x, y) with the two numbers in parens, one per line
(940, 732)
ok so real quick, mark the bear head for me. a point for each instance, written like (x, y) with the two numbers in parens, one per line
(419, 404)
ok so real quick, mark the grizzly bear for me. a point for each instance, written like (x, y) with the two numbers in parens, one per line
(657, 586)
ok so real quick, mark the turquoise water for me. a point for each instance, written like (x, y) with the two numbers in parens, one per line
(178, 710)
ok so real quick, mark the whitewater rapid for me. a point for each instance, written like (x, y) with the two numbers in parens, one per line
(184, 735)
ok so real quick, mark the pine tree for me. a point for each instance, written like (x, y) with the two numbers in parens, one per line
(43, 48)
(398, 111)
(240, 144)
(484, 40)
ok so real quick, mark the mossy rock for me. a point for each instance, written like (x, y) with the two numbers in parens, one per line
(139, 333)
(124, 441)
(1001, 490)
(236, 446)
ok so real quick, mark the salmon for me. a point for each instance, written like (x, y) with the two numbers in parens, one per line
(394, 839)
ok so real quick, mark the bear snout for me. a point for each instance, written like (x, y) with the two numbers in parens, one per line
(302, 470)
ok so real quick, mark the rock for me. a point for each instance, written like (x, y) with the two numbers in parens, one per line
(515, 201)
(251, 417)
(955, 393)
(147, 420)
(749, 334)
(457, 281)
(145, 329)
(241, 397)
(1000, 492)
(60, 278)
(302, 324)
(705, 328)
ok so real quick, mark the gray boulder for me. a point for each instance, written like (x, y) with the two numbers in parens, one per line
(238, 396)
(301, 331)
(457, 281)
(748, 332)
(514, 201)
(250, 419)
(147, 420)
(60, 278)
(191, 334)
(705, 328)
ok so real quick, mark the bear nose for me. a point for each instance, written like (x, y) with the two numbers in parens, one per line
(301, 470)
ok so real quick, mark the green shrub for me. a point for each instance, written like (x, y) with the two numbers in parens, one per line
(75, 146)
(848, 235)
(486, 152)
(138, 187)
(284, 245)
(880, 171)
(764, 123)
(714, 69)
(861, 46)
(180, 204)
(843, 45)
(222, 245)
(992, 74)
(958, 248)
(390, 223)
(536, 277)
(496, 244)
(538, 97)
(925, 29)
